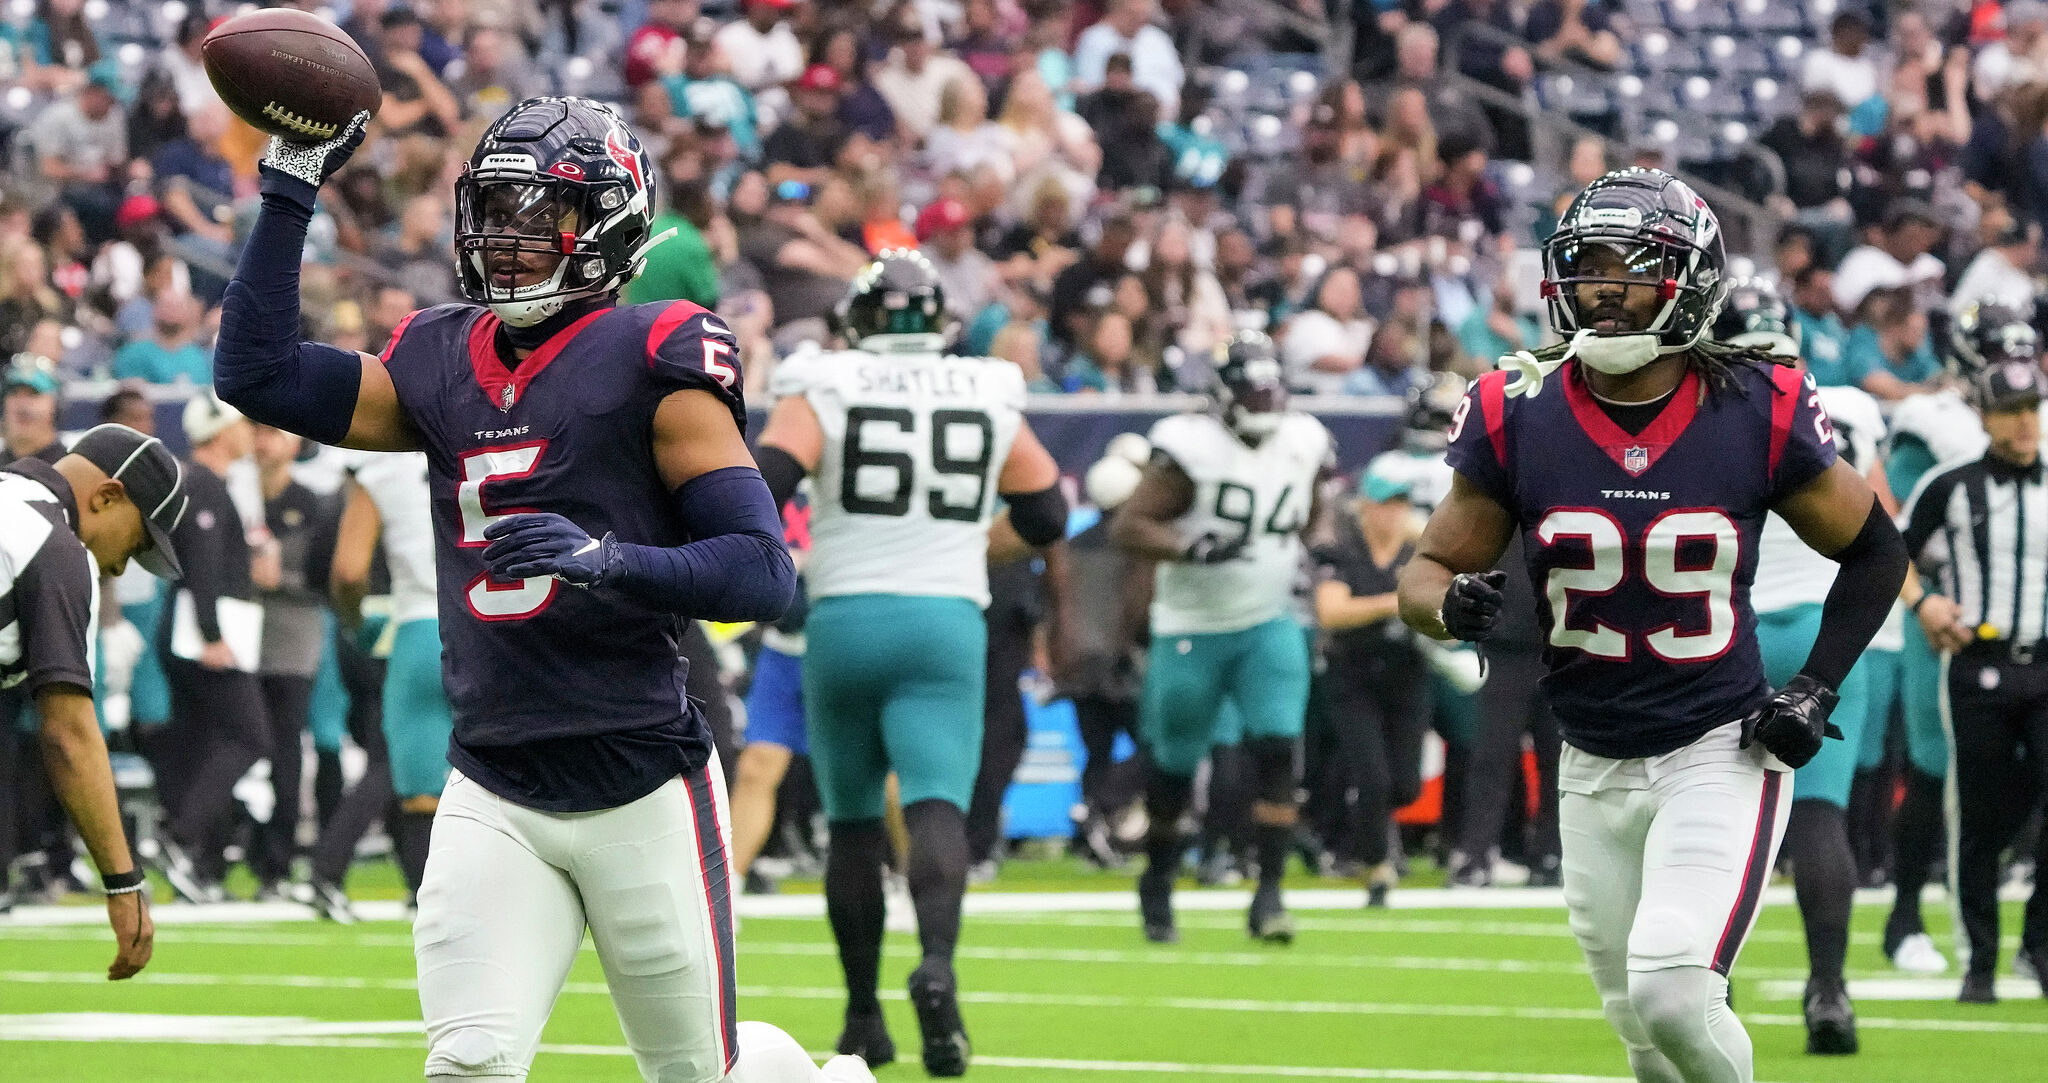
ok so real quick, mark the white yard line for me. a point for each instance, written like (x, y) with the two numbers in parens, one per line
(1064, 1000)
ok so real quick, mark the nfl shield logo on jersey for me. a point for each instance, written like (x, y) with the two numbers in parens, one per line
(1635, 460)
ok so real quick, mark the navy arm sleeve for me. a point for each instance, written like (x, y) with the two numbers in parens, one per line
(1872, 568)
(260, 366)
(736, 570)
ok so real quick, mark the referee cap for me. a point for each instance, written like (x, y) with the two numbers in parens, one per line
(2014, 385)
(155, 483)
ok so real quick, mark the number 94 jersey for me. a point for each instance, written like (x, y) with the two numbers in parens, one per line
(906, 483)
(1261, 494)
(1642, 546)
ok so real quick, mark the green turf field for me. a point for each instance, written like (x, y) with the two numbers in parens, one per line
(1060, 995)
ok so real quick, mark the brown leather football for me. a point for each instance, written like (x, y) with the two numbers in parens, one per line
(290, 73)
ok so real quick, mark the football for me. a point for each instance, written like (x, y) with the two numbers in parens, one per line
(290, 73)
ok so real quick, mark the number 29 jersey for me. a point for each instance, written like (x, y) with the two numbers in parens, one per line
(1259, 493)
(905, 486)
(1642, 547)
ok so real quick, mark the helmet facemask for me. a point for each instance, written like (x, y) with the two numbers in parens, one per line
(1254, 398)
(527, 221)
(1625, 290)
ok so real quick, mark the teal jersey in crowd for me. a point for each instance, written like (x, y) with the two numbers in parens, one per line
(1862, 356)
(144, 359)
(1823, 342)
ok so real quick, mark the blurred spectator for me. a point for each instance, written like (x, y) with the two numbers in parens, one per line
(1133, 155)
(682, 267)
(1995, 160)
(1046, 142)
(81, 143)
(1917, 153)
(1450, 109)
(981, 43)
(1404, 346)
(804, 267)
(172, 352)
(1889, 353)
(706, 93)
(965, 139)
(861, 107)
(65, 247)
(417, 250)
(181, 62)
(119, 267)
(914, 79)
(415, 98)
(493, 74)
(1104, 263)
(946, 235)
(807, 143)
(25, 293)
(2004, 267)
(1847, 68)
(1186, 297)
(40, 68)
(2021, 58)
(1823, 341)
(155, 116)
(657, 47)
(1816, 159)
(1900, 256)
(130, 407)
(1464, 205)
(1325, 343)
(1576, 31)
(1107, 360)
(31, 409)
(1126, 29)
(361, 27)
(387, 309)
(1044, 243)
(760, 47)
(1499, 326)
(64, 34)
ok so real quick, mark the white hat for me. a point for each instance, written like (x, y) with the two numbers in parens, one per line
(206, 416)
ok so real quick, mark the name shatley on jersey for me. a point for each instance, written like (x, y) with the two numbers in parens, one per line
(950, 383)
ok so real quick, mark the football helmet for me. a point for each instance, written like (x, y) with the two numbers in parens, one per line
(1665, 238)
(1430, 409)
(1755, 315)
(1250, 388)
(1989, 331)
(895, 305)
(561, 177)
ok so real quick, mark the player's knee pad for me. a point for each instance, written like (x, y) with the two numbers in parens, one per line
(1665, 936)
(1273, 768)
(1671, 1005)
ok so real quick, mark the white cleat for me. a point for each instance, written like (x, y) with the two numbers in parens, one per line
(847, 1069)
(1918, 955)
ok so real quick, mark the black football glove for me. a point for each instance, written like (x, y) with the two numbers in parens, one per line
(315, 162)
(1472, 605)
(1795, 721)
(1211, 549)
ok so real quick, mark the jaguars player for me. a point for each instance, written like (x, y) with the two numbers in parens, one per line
(1222, 508)
(591, 489)
(1639, 460)
(387, 503)
(1791, 585)
(908, 449)
(1934, 428)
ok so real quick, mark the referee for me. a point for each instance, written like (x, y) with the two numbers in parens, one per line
(1980, 529)
(118, 494)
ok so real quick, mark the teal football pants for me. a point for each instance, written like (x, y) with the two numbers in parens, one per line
(417, 718)
(1259, 676)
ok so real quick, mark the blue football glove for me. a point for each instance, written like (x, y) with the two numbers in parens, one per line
(543, 543)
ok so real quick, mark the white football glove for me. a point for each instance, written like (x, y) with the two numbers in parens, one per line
(315, 162)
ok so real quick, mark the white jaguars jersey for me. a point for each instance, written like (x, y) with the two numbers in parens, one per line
(906, 486)
(1264, 492)
(397, 485)
(1944, 422)
(1788, 572)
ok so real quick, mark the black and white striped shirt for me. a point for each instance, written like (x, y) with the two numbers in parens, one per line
(1982, 528)
(49, 584)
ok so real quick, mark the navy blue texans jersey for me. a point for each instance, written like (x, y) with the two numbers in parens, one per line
(565, 699)
(1642, 547)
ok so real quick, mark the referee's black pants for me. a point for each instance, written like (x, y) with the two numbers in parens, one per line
(1511, 703)
(219, 722)
(1998, 715)
(1379, 711)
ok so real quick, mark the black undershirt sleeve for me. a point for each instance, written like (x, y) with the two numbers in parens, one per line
(1872, 568)
(781, 471)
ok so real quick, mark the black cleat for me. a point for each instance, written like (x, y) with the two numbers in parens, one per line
(1978, 988)
(1155, 908)
(1830, 1023)
(937, 1000)
(1269, 920)
(867, 1036)
(1549, 872)
(328, 899)
(178, 871)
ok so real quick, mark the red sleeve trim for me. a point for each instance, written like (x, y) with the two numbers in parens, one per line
(675, 315)
(396, 334)
(1493, 401)
(1789, 386)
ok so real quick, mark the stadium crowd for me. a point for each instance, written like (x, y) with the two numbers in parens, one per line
(1108, 191)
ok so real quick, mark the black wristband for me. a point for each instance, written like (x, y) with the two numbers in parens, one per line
(1918, 602)
(118, 882)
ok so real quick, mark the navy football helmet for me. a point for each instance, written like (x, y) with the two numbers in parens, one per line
(554, 177)
(1667, 238)
(1755, 315)
(1989, 332)
(1250, 388)
(895, 304)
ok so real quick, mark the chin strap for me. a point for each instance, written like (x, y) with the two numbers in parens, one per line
(1530, 372)
(530, 338)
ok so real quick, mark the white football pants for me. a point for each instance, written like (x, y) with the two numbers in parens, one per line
(1665, 861)
(508, 893)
